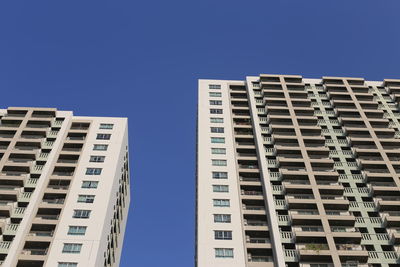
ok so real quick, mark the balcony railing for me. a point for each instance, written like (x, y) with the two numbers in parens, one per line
(242, 166)
(251, 207)
(48, 217)
(58, 187)
(258, 240)
(260, 258)
(54, 201)
(41, 233)
(35, 251)
(63, 173)
(252, 193)
(250, 179)
(255, 223)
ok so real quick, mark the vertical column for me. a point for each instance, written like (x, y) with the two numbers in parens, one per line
(272, 217)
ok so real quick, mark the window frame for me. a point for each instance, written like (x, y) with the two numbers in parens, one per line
(218, 151)
(81, 212)
(218, 202)
(93, 171)
(215, 102)
(215, 186)
(67, 264)
(222, 235)
(97, 146)
(214, 86)
(219, 175)
(219, 162)
(75, 248)
(216, 120)
(90, 182)
(78, 229)
(214, 94)
(86, 198)
(106, 126)
(224, 218)
(217, 129)
(102, 158)
(103, 136)
(224, 253)
(216, 111)
(214, 139)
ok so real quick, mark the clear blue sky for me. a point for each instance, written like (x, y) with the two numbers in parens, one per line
(142, 59)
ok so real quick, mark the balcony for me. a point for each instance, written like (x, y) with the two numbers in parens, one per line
(260, 261)
(47, 144)
(72, 147)
(284, 220)
(341, 220)
(257, 239)
(388, 256)
(80, 126)
(287, 237)
(350, 252)
(251, 193)
(314, 252)
(32, 136)
(40, 233)
(10, 231)
(38, 124)
(4, 247)
(391, 204)
(291, 255)
(18, 213)
(53, 201)
(47, 216)
(249, 167)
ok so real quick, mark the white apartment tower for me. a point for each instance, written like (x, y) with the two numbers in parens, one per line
(64, 188)
(298, 172)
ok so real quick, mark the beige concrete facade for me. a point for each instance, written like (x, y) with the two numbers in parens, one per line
(311, 172)
(64, 188)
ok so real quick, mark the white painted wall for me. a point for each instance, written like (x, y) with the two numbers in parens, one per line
(98, 225)
(205, 210)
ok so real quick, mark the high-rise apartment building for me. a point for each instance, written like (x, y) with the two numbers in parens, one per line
(64, 188)
(298, 172)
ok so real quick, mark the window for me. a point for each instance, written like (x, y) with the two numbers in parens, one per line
(67, 264)
(216, 102)
(220, 188)
(256, 85)
(97, 158)
(221, 203)
(216, 111)
(72, 248)
(223, 235)
(224, 252)
(93, 171)
(217, 129)
(100, 147)
(217, 120)
(107, 126)
(77, 230)
(219, 162)
(81, 214)
(218, 140)
(219, 175)
(221, 151)
(214, 86)
(215, 94)
(90, 184)
(103, 136)
(222, 218)
(86, 198)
